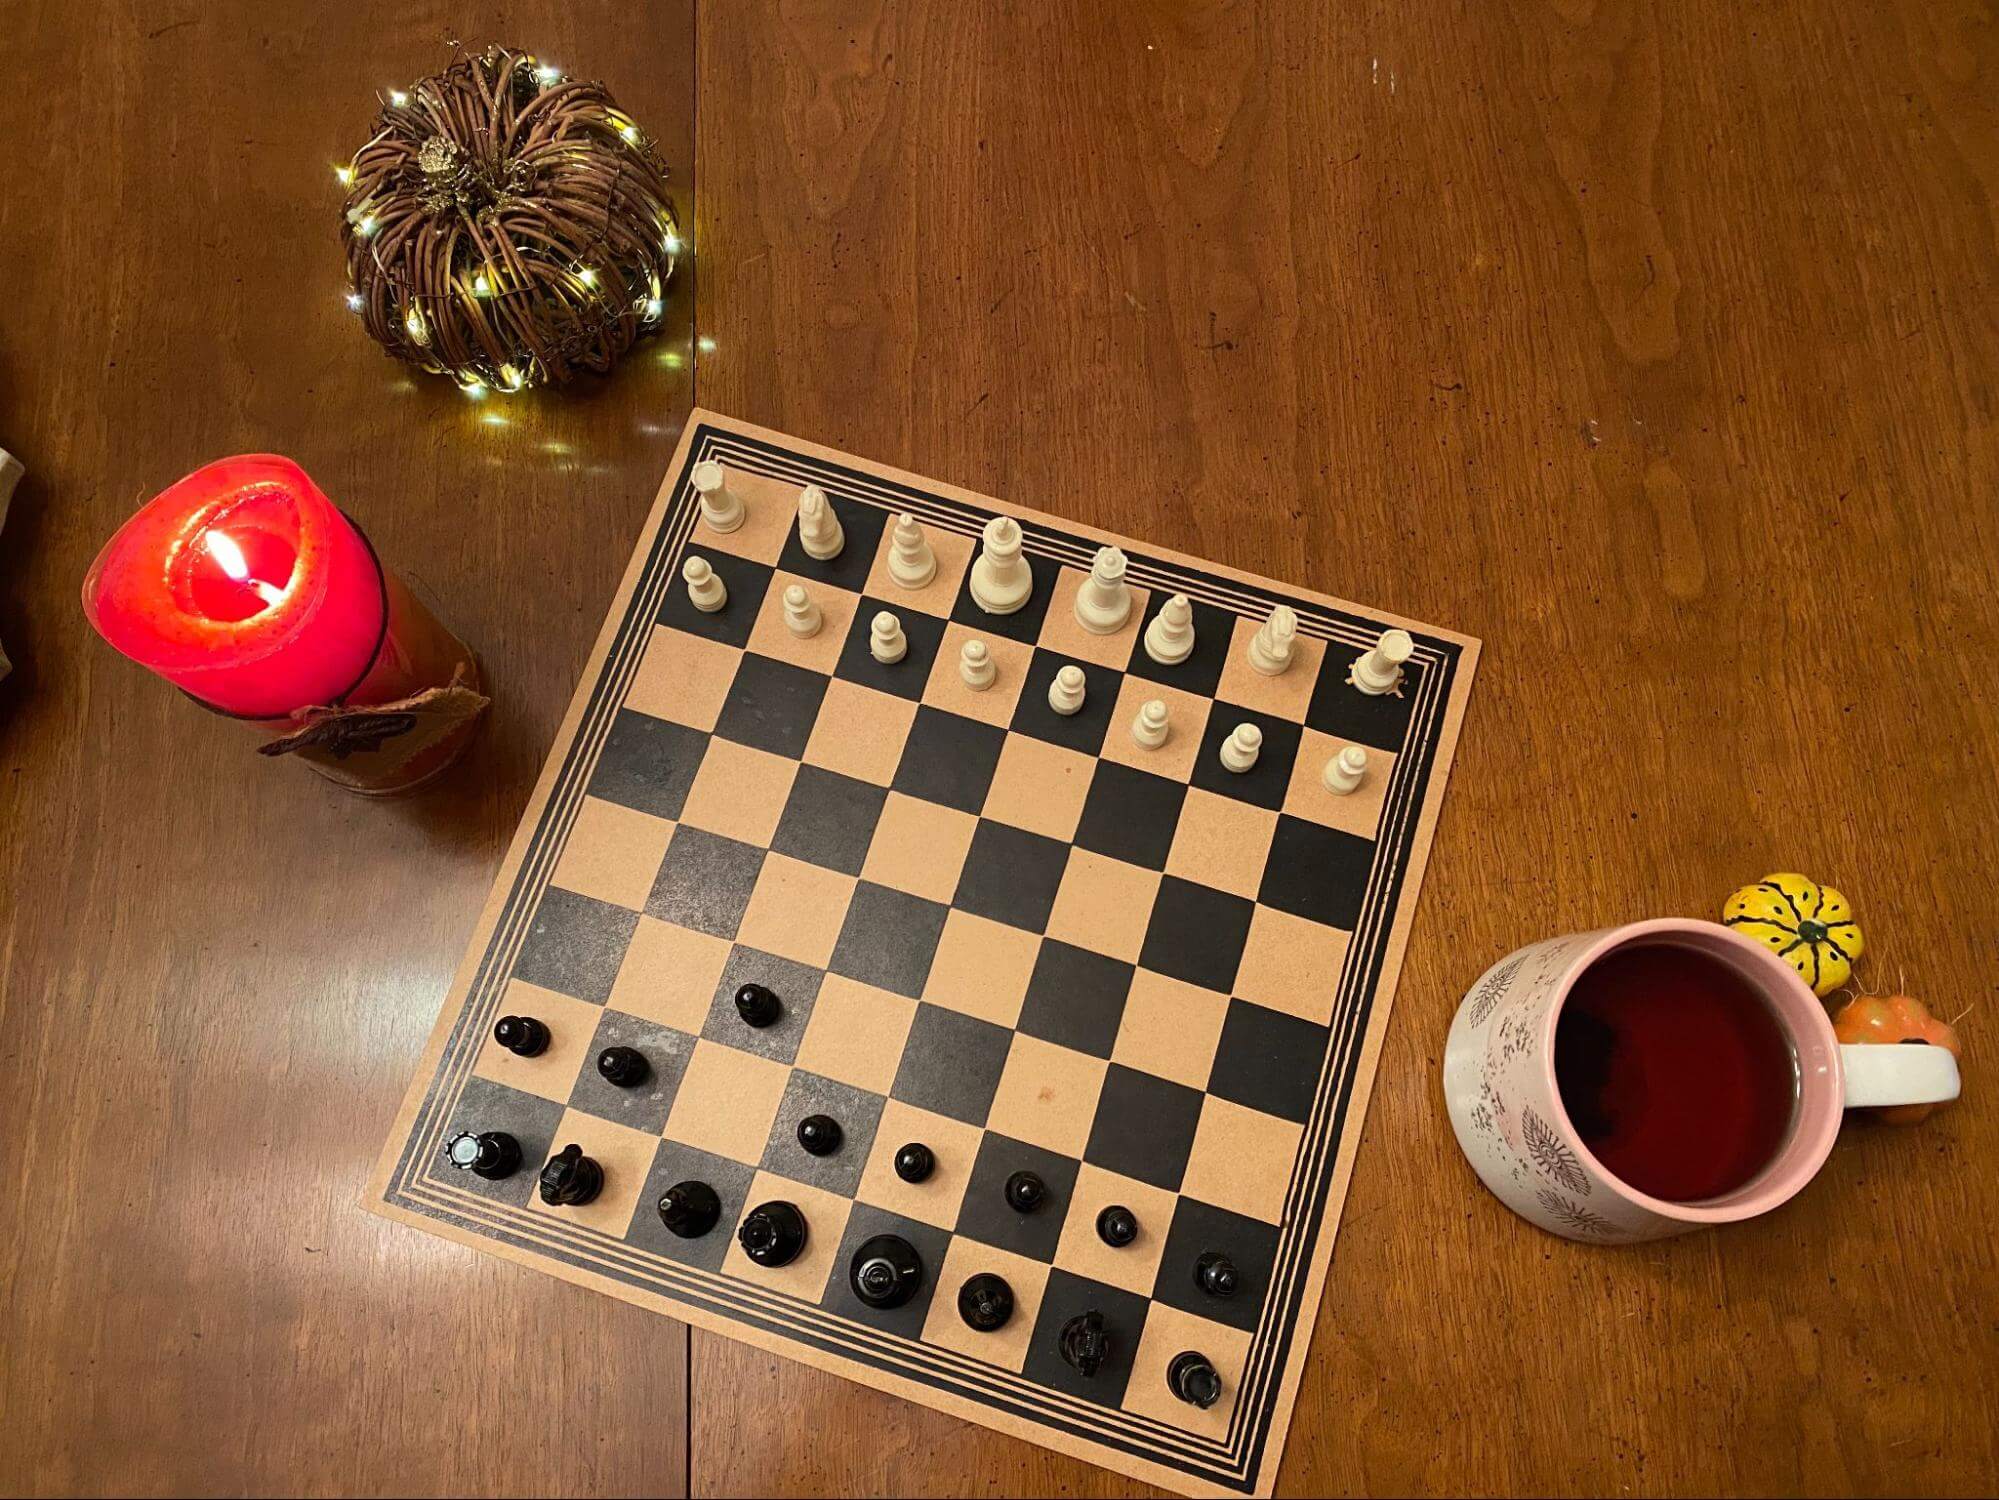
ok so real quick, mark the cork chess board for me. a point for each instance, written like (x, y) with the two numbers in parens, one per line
(1017, 937)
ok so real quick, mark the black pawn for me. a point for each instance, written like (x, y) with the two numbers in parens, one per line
(820, 1135)
(689, 1209)
(1084, 1343)
(523, 1036)
(1117, 1226)
(758, 1005)
(885, 1271)
(569, 1177)
(915, 1162)
(985, 1302)
(626, 1067)
(1025, 1192)
(1215, 1274)
(491, 1154)
(772, 1234)
(1194, 1380)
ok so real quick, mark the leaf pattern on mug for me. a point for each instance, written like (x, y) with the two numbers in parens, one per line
(1552, 1154)
(1492, 989)
(1574, 1216)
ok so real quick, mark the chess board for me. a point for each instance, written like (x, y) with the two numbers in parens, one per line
(1015, 936)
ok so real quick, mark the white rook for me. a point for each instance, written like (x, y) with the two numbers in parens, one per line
(721, 507)
(1379, 670)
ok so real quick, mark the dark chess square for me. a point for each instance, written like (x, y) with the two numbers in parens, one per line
(575, 945)
(648, 764)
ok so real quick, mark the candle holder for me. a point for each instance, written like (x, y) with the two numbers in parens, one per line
(245, 587)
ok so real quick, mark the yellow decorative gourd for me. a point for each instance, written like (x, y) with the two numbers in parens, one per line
(1809, 926)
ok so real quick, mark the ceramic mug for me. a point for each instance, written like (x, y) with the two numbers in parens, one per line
(1499, 1084)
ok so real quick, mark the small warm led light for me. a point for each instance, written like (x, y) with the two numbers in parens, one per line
(366, 226)
(706, 344)
(418, 329)
(588, 276)
(398, 98)
(353, 301)
(630, 133)
(672, 244)
(345, 174)
(476, 389)
(510, 378)
(481, 287)
(654, 306)
(548, 74)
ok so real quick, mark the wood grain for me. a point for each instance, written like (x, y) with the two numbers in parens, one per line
(1653, 344)
(215, 971)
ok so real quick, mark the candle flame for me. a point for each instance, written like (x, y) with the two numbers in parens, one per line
(229, 558)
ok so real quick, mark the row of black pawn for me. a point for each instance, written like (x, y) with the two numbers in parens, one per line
(525, 1036)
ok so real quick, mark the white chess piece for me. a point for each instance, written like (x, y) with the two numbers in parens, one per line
(1169, 639)
(1001, 580)
(1148, 725)
(705, 590)
(886, 642)
(976, 666)
(1270, 648)
(801, 615)
(721, 507)
(1379, 670)
(819, 530)
(1065, 693)
(1239, 750)
(1103, 603)
(911, 563)
(1344, 771)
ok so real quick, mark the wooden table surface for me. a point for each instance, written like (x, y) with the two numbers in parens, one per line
(1654, 344)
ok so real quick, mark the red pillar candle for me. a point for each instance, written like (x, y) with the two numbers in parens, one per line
(245, 586)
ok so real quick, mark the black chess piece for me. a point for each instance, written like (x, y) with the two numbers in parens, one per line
(758, 1005)
(523, 1036)
(985, 1302)
(1025, 1192)
(820, 1135)
(625, 1067)
(886, 1271)
(1215, 1274)
(772, 1234)
(1117, 1226)
(491, 1154)
(1084, 1343)
(1194, 1379)
(689, 1209)
(569, 1177)
(915, 1162)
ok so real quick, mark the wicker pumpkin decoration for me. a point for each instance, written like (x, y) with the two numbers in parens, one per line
(1895, 1020)
(507, 226)
(1810, 926)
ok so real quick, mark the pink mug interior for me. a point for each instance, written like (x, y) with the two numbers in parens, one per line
(1814, 1048)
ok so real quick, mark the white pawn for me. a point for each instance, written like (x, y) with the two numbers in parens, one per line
(975, 665)
(1379, 670)
(1239, 750)
(801, 615)
(1065, 693)
(1170, 637)
(886, 642)
(721, 507)
(1344, 771)
(1270, 648)
(911, 563)
(1103, 603)
(819, 530)
(1148, 725)
(1001, 580)
(705, 590)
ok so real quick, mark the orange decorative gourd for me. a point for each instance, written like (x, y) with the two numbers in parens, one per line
(1895, 1020)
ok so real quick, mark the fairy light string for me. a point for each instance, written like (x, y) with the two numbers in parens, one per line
(507, 225)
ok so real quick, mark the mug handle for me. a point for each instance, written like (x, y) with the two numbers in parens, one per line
(1911, 1073)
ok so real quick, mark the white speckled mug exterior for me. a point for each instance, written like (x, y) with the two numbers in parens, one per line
(1499, 1085)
